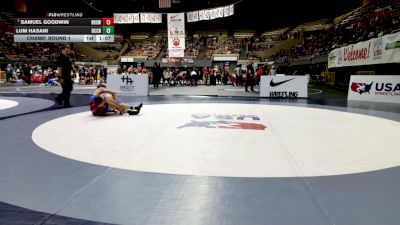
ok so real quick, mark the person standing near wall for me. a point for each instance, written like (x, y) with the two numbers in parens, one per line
(249, 77)
(157, 74)
(64, 68)
(272, 72)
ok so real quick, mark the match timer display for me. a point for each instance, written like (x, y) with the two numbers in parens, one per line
(64, 30)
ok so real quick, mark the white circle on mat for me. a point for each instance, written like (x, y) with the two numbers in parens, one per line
(216, 140)
(5, 104)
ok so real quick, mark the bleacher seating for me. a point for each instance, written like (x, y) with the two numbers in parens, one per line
(371, 21)
(228, 46)
(37, 52)
(149, 48)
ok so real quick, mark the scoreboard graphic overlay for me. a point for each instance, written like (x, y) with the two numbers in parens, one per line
(64, 30)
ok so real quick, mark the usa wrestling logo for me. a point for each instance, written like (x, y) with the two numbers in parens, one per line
(361, 88)
(224, 121)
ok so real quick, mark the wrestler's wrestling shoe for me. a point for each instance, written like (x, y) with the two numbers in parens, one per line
(138, 107)
(133, 112)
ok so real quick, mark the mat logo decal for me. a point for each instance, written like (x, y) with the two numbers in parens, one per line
(224, 121)
(361, 88)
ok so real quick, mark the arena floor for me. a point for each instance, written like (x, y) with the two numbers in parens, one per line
(199, 155)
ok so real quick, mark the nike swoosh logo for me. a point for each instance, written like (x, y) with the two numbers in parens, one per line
(273, 84)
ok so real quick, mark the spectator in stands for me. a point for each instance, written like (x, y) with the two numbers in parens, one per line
(239, 75)
(27, 73)
(193, 77)
(272, 72)
(64, 68)
(206, 74)
(103, 74)
(157, 73)
(143, 70)
(260, 72)
(213, 77)
(94, 73)
(218, 75)
(9, 73)
(119, 70)
(249, 78)
(124, 69)
(130, 69)
(226, 75)
(167, 76)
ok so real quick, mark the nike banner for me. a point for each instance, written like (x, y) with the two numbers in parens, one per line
(284, 87)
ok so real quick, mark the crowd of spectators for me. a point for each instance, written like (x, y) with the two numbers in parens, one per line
(148, 48)
(379, 21)
(228, 46)
(36, 52)
(32, 73)
(107, 47)
(193, 47)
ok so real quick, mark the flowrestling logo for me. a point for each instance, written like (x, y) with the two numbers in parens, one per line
(361, 88)
(224, 121)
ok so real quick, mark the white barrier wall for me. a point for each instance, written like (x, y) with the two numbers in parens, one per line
(375, 88)
(284, 87)
(137, 85)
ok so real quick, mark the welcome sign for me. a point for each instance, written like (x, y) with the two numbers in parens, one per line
(375, 51)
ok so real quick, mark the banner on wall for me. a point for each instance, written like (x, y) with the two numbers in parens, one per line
(129, 18)
(176, 53)
(123, 18)
(381, 50)
(205, 14)
(129, 84)
(136, 18)
(226, 11)
(220, 12)
(284, 87)
(176, 34)
(375, 88)
(210, 14)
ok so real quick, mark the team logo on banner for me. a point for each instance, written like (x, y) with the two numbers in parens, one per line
(361, 88)
(378, 48)
(224, 122)
(176, 42)
(127, 84)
